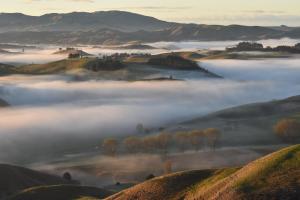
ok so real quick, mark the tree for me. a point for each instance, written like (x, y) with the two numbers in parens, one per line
(132, 144)
(196, 139)
(213, 136)
(287, 129)
(150, 143)
(67, 176)
(168, 167)
(110, 146)
(163, 141)
(182, 139)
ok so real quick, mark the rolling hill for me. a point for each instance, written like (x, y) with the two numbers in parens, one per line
(275, 176)
(61, 192)
(250, 124)
(14, 179)
(110, 69)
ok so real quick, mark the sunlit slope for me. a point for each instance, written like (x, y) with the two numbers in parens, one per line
(61, 192)
(61, 66)
(173, 186)
(276, 176)
(113, 69)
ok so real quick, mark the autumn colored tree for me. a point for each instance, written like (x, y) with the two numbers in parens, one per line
(213, 136)
(182, 139)
(167, 167)
(150, 143)
(110, 146)
(288, 129)
(132, 144)
(196, 138)
(163, 141)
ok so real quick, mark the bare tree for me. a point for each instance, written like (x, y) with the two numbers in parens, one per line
(140, 128)
(110, 146)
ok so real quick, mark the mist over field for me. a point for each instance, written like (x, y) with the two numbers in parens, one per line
(55, 110)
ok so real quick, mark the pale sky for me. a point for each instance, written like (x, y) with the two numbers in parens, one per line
(247, 12)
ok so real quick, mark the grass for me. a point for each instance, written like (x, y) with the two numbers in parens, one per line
(257, 175)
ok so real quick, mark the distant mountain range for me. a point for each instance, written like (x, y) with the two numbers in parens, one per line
(115, 27)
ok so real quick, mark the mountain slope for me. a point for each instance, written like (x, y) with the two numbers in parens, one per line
(276, 176)
(75, 21)
(174, 33)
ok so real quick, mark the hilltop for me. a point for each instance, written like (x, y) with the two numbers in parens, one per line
(118, 67)
(275, 176)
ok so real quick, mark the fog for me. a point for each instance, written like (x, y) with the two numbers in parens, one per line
(66, 116)
(218, 45)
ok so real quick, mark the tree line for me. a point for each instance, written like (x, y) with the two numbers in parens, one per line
(163, 142)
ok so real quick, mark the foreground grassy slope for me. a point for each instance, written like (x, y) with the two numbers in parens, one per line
(172, 186)
(61, 192)
(276, 176)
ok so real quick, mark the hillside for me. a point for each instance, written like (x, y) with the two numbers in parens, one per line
(75, 21)
(61, 192)
(250, 124)
(275, 176)
(14, 179)
(7, 69)
(118, 27)
(119, 68)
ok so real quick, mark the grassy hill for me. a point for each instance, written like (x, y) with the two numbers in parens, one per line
(123, 68)
(250, 124)
(62, 192)
(276, 176)
(14, 179)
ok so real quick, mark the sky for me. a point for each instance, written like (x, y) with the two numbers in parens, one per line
(246, 12)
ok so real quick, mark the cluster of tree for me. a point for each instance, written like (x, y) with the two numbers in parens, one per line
(105, 64)
(122, 56)
(288, 130)
(163, 142)
(173, 61)
(253, 46)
